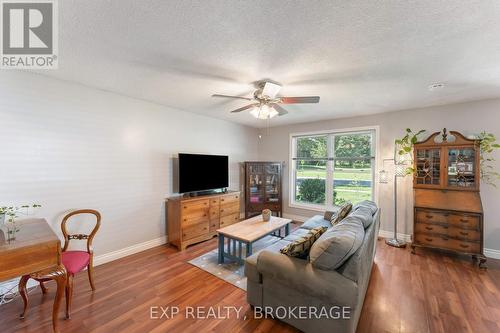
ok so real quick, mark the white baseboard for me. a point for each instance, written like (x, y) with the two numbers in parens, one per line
(114, 255)
(390, 234)
(491, 253)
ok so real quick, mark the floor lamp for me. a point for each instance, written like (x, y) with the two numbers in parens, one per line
(400, 164)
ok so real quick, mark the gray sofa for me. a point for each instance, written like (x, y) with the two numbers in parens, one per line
(275, 280)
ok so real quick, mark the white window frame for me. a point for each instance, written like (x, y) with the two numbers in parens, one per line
(329, 187)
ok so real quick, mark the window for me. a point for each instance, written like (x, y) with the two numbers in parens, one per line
(329, 169)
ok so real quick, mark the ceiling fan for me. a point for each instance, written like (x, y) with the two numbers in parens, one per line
(266, 104)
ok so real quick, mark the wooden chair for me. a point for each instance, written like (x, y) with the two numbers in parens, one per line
(76, 261)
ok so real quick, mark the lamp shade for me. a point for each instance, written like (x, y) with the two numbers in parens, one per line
(383, 177)
(263, 111)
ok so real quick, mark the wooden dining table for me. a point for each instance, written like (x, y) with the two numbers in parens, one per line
(34, 251)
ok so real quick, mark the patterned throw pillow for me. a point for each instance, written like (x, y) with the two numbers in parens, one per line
(341, 213)
(328, 215)
(300, 247)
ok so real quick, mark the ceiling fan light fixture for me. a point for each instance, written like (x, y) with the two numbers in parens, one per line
(263, 111)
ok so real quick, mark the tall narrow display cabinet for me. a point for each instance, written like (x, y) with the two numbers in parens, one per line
(263, 188)
(448, 213)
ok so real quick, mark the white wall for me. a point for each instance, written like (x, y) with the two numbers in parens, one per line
(468, 118)
(69, 146)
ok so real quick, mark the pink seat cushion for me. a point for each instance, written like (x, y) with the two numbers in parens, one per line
(75, 261)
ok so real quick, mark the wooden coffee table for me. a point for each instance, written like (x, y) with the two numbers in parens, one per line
(247, 232)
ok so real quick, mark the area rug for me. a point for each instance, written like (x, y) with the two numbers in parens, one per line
(230, 271)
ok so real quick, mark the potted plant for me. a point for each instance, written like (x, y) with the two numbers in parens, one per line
(404, 147)
(2, 216)
(10, 213)
(487, 145)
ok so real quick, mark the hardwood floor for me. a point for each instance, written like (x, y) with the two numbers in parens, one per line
(427, 292)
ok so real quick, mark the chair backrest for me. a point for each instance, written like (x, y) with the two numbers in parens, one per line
(89, 237)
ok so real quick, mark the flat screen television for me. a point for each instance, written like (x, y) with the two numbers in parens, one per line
(202, 172)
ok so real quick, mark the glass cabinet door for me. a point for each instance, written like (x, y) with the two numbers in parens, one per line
(272, 187)
(256, 183)
(427, 165)
(461, 167)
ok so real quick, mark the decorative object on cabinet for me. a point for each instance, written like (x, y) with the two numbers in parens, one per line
(487, 146)
(192, 220)
(448, 213)
(263, 188)
(404, 147)
(266, 215)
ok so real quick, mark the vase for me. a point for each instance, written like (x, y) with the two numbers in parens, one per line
(266, 215)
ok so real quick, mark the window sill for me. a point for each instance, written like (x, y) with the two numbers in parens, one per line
(308, 207)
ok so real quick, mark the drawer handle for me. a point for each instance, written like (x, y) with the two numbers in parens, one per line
(429, 228)
(222, 210)
(185, 220)
(445, 226)
(444, 238)
(429, 239)
(204, 215)
(185, 207)
(464, 233)
(221, 199)
(446, 214)
(205, 228)
(464, 221)
(464, 246)
(236, 197)
(429, 216)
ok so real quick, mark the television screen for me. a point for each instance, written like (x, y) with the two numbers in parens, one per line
(202, 172)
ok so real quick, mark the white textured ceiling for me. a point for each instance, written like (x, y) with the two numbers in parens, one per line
(361, 57)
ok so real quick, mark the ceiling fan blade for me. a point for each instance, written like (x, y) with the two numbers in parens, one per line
(271, 89)
(246, 107)
(229, 96)
(280, 109)
(299, 100)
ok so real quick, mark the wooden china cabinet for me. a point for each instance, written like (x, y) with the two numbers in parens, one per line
(263, 188)
(448, 213)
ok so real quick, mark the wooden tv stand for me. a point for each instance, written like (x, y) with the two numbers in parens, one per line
(192, 220)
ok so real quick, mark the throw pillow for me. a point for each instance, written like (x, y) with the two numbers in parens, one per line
(368, 204)
(364, 214)
(341, 213)
(337, 244)
(328, 215)
(300, 247)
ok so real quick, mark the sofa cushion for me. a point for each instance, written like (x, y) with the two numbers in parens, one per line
(364, 214)
(316, 221)
(296, 234)
(366, 203)
(251, 271)
(300, 247)
(358, 267)
(337, 244)
(341, 213)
